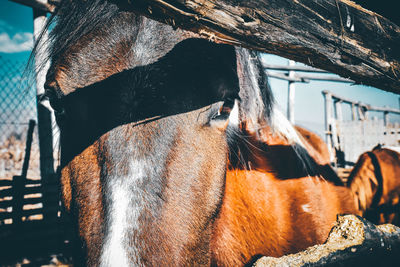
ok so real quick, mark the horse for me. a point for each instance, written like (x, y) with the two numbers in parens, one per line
(317, 148)
(375, 182)
(172, 151)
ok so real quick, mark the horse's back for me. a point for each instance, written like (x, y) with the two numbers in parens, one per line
(317, 148)
(264, 215)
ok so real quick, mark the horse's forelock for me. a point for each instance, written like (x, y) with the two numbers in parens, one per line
(256, 100)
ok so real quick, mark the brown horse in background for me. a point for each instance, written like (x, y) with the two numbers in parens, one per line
(375, 182)
(317, 148)
(172, 151)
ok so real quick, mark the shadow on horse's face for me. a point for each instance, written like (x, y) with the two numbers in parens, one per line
(144, 156)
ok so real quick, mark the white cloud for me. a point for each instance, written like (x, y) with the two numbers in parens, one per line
(19, 42)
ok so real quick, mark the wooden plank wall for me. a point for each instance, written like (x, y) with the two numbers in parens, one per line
(31, 222)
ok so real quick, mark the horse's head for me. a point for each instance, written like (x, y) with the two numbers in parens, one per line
(143, 118)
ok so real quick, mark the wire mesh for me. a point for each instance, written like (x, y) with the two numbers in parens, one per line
(17, 107)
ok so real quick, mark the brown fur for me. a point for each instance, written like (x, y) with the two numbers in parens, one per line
(262, 214)
(315, 146)
(364, 184)
(80, 181)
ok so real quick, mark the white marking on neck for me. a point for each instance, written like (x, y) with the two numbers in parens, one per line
(122, 211)
(306, 208)
(283, 127)
(234, 115)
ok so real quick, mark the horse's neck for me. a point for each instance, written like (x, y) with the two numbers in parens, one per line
(266, 152)
(362, 182)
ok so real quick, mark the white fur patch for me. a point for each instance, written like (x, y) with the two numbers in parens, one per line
(281, 125)
(306, 208)
(234, 115)
(114, 251)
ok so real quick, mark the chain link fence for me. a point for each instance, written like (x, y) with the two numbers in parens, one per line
(17, 107)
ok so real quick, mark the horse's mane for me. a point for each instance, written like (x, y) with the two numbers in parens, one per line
(71, 20)
(258, 107)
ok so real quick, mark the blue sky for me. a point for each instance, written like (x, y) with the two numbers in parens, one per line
(16, 40)
(16, 26)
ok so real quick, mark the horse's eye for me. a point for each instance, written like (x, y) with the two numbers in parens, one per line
(226, 113)
(225, 110)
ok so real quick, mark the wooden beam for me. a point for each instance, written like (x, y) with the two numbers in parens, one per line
(335, 35)
(353, 241)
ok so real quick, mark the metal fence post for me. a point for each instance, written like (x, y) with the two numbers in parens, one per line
(291, 94)
(328, 122)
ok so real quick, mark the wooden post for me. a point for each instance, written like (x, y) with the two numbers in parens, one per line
(44, 111)
(43, 107)
(353, 112)
(291, 94)
(386, 117)
(19, 181)
(361, 113)
(338, 108)
(338, 132)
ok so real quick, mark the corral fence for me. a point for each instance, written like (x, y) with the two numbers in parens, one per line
(31, 224)
(348, 137)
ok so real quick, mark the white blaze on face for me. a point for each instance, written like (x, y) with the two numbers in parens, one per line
(122, 211)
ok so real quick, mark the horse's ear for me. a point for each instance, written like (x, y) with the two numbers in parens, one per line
(228, 114)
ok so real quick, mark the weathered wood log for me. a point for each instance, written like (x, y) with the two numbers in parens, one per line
(335, 35)
(353, 241)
